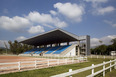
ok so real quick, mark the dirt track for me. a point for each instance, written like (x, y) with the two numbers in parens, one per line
(25, 61)
(6, 59)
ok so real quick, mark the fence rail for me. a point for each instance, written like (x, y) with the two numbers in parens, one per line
(90, 68)
(21, 65)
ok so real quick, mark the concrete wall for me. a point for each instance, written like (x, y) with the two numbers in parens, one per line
(72, 52)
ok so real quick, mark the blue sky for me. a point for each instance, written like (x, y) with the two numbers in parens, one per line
(21, 19)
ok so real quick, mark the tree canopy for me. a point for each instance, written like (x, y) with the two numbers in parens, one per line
(105, 49)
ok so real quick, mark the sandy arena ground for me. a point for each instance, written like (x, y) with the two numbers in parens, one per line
(7, 59)
(41, 63)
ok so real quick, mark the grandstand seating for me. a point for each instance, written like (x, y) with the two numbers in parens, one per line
(50, 50)
(28, 52)
(61, 49)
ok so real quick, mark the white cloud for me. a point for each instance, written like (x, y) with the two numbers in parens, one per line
(45, 19)
(98, 9)
(72, 11)
(102, 11)
(105, 40)
(53, 12)
(48, 25)
(94, 42)
(59, 24)
(96, 3)
(40, 18)
(36, 29)
(14, 24)
(19, 24)
(110, 23)
(20, 38)
(2, 43)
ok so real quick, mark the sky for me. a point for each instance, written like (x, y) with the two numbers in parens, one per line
(21, 19)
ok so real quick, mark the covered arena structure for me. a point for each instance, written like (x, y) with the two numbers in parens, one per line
(58, 42)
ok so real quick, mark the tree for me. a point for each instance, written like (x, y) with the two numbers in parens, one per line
(105, 49)
(101, 42)
(114, 44)
(16, 47)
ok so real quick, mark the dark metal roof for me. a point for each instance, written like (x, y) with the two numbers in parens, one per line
(51, 37)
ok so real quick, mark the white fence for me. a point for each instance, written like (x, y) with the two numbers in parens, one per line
(101, 56)
(25, 65)
(111, 62)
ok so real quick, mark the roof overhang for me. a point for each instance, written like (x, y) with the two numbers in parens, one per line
(51, 37)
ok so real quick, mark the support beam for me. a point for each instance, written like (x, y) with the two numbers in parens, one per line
(51, 45)
(67, 43)
(45, 46)
(58, 44)
(78, 48)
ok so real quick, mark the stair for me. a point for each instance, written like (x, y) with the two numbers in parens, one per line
(68, 49)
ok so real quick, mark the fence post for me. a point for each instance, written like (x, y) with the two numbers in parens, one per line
(48, 63)
(35, 63)
(92, 69)
(19, 65)
(115, 64)
(104, 69)
(70, 70)
(110, 66)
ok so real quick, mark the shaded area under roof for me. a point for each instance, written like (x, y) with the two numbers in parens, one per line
(51, 37)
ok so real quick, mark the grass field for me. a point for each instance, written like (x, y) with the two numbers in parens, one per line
(46, 72)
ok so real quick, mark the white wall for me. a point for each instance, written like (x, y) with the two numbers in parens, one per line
(72, 52)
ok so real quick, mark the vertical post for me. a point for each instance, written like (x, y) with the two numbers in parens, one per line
(19, 65)
(104, 69)
(92, 71)
(110, 66)
(70, 70)
(115, 64)
(35, 63)
(48, 63)
(97, 56)
(78, 48)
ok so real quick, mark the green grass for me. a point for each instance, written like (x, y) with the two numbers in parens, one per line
(46, 72)
(111, 74)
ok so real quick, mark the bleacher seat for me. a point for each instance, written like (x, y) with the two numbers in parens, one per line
(28, 52)
(52, 49)
(49, 50)
(61, 49)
